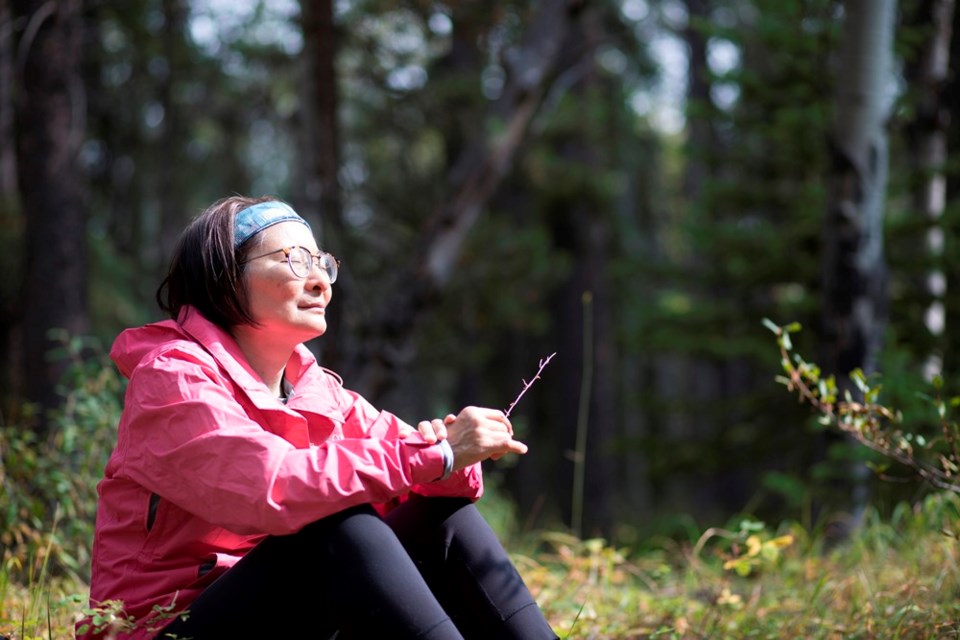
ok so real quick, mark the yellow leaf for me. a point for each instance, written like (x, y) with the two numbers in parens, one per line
(783, 541)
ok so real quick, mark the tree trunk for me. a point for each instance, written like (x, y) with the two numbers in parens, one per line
(702, 143)
(951, 97)
(8, 158)
(927, 140)
(854, 272)
(169, 221)
(10, 227)
(321, 153)
(50, 114)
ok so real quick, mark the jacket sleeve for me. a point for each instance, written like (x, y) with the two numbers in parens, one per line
(465, 483)
(363, 418)
(185, 437)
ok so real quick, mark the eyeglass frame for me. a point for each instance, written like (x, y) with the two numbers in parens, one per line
(314, 258)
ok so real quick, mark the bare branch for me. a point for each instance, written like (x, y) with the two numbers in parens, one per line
(527, 385)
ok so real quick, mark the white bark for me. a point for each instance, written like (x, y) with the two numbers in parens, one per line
(854, 280)
(930, 155)
(854, 271)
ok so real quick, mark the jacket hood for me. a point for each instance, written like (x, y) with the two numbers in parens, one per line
(133, 345)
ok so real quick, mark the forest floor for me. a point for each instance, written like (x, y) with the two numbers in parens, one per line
(894, 578)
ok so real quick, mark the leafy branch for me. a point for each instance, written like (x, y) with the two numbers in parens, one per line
(935, 460)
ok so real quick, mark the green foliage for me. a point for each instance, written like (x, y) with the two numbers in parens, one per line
(931, 450)
(50, 486)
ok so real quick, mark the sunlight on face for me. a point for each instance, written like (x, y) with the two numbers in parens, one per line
(287, 308)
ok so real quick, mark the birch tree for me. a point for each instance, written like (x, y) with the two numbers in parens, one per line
(854, 271)
(927, 139)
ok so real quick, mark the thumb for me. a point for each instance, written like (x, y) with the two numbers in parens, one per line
(515, 446)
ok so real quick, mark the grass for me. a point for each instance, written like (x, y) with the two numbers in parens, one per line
(897, 577)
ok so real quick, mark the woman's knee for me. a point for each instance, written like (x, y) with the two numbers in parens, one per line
(328, 536)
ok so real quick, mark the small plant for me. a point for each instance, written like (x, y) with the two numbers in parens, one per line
(757, 549)
(108, 619)
(933, 456)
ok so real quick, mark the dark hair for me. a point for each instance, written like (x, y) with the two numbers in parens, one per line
(206, 270)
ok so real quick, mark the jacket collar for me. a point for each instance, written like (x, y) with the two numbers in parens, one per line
(225, 350)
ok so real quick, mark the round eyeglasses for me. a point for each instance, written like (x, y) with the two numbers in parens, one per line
(301, 261)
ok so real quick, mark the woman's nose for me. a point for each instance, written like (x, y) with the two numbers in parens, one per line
(318, 278)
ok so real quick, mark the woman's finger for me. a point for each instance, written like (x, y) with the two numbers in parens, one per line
(439, 428)
(426, 429)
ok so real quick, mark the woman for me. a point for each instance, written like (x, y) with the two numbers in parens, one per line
(246, 495)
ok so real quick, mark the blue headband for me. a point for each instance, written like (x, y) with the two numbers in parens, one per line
(258, 217)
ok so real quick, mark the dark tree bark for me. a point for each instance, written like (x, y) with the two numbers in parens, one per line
(951, 97)
(169, 186)
(50, 111)
(321, 153)
(10, 234)
(702, 143)
(8, 158)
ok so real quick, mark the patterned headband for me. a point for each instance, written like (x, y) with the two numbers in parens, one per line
(258, 217)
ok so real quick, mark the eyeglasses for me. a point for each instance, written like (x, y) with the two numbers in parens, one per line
(301, 261)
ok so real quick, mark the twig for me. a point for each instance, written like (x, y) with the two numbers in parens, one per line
(527, 385)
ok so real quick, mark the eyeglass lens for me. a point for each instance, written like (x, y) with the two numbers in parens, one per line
(301, 263)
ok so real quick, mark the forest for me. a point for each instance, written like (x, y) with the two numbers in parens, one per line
(732, 221)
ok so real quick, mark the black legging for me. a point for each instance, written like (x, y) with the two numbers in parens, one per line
(432, 570)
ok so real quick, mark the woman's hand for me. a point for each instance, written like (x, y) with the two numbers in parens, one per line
(435, 430)
(476, 434)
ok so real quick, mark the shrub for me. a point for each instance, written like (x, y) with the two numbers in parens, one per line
(48, 486)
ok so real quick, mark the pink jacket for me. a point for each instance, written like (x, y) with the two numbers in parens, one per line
(208, 462)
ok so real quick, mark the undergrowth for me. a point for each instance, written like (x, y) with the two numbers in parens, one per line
(897, 577)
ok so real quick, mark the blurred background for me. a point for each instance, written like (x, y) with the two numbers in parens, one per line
(633, 185)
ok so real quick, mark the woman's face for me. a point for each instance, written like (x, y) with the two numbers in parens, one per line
(287, 308)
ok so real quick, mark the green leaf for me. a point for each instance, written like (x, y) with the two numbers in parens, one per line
(751, 525)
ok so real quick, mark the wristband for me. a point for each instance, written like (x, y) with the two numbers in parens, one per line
(447, 452)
